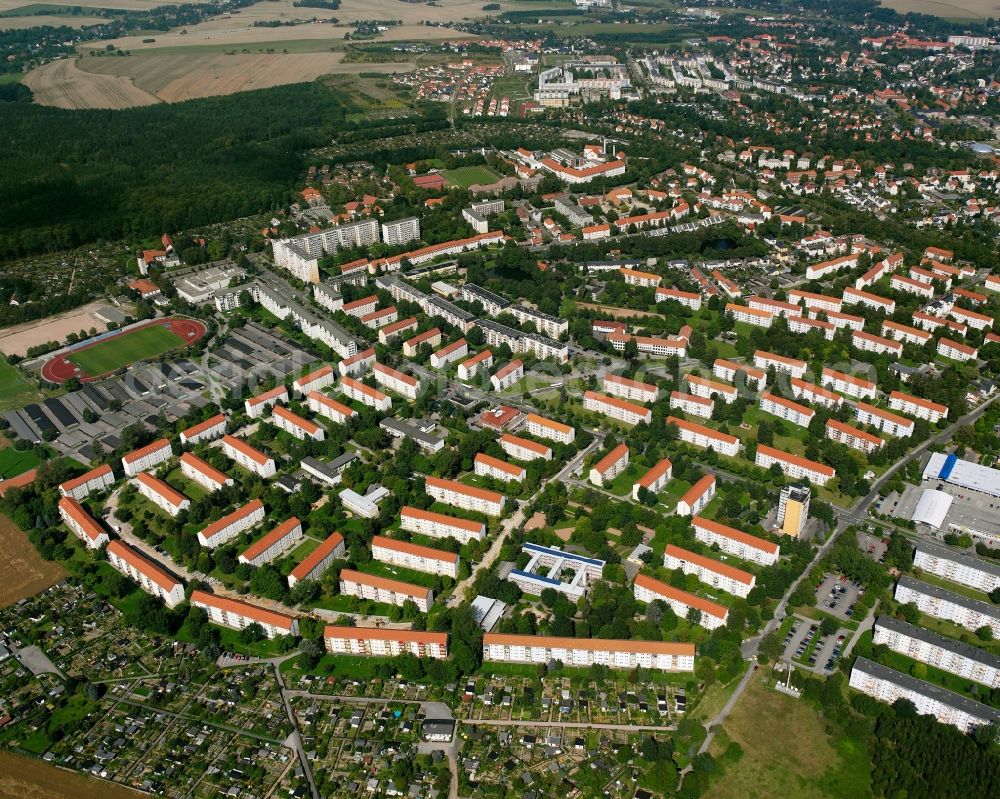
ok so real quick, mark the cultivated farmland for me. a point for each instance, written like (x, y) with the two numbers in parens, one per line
(22, 572)
(64, 85)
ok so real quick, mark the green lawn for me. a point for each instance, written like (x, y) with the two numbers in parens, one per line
(13, 463)
(15, 390)
(137, 345)
(466, 176)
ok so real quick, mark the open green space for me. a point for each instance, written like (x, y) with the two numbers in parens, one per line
(136, 345)
(15, 390)
(466, 176)
(13, 463)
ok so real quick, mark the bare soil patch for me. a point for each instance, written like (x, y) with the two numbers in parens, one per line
(614, 312)
(959, 9)
(26, 778)
(63, 84)
(23, 573)
(16, 340)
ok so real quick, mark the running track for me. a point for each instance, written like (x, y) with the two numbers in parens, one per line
(60, 368)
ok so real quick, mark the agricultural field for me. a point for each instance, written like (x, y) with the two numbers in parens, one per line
(62, 84)
(146, 342)
(959, 9)
(28, 778)
(23, 573)
(466, 176)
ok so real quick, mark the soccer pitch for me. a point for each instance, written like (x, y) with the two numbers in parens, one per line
(466, 176)
(137, 345)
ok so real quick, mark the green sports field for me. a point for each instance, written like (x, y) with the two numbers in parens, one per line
(146, 342)
(15, 390)
(466, 176)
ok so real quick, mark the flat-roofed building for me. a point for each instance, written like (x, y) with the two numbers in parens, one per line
(916, 406)
(203, 473)
(488, 466)
(459, 495)
(709, 389)
(692, 405)
(888, 685)
(82, 524)
(852, 437)
(633, 390)
(699, 435)
(941, 603)
(582, 652)
(277, 542)
(767, 360)
(295, 425)
(165, 497)
(415, 556)
(329, 408)
(887, 422)
(697, 496)
(366, 395)
(794, 466)
(626, 412)
(848, 384)
(655, 479)
(83, 486)
(480, 362)
(382, 589)
(793, 510)
(250, 458)
(148, 457)
(394, 380)
(209, 430)
(147, 574)
(507, 375)
(524, 449)
(232, 524)
(736, 542)
(237, 615)
(547, 566)
(319, 560)
(610, 466)
(439, 525)
(314, 381)
(357, 364)
(383, 642)
(259, 405)
(786, 409)
(540, 427)
(957, 567)
(815, 394)
(712, 615)
(719, 575)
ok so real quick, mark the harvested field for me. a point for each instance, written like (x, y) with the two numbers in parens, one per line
(959, 9)
(26, 778)
(127, 5)
(39, 20)
(23, 573)
(63, 84)
(16, 340)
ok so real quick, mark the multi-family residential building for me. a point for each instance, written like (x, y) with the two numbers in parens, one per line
(847, 384)
(697, 497)
(329, 408)
(381, 317)
(888, 685)
(451, 492)
(415, 556)
(250, 458)
(615, 408)
(750, 316)
(396, 381)
(655, 479)
(524, 449)
(786, 409)
(259, 405)
(488, 466)
(399, 328)
(905, 333)
(852, 437)
(540, 427)
(812, 301)
(314, 381)
(362, 307)
(735, 542)
(382, 589)
(547, 566)
(439, 525)
(584, 652)
(365, 394)
(232, 524)
(911, 286)
(936, 650)
(794, 466)
(871, 343)
(885, 421)
(507, 375)
(148, 457)
(802, 324)
(705, 437)
(319, 560)
(149, 576)
(624, 388)
(709, 389)
(401, 231)
(295, 425)
(687, 298)
(95, 480)
(956, 351)
(793, 510)
(450, 353)
(815, 394)
(540, 346)
(203, 473)
(237, 615)
(972, 614)
(357, 364)
(727, 370)
(841, 320)
(767, 360)
(869, 300)
(719, 575)
(691, 404)
(644, 279)
(610, 466)
(971, 318)
(209, 430)
(82, 524)
(916, 406)
(281, 539)
(162, 495)
(480, 362)
(647, 345)
(647, 589)
(383, 642)
(774, 307)
(432, 338)
(957, 567)
(816, 271)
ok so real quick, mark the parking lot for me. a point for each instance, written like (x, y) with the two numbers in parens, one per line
(837, 596)
(806, 646)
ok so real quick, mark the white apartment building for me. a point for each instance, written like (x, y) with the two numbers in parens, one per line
(82, 524)
(815, 302)
(688, 299)
(655, 479)
(766, 360)
(362, 307)
(957, 567)
(357, 364)
(382, 589)
(691, 404)
(469, 368)
(507, 375)
(148, 457)
(248, 457)
(582, 652)
(719, 575)
(871, 343)
(449, 354)
(633, 390)
(709, 389)
(319, 560)
(801, 324)
(852, 437)
(774, 307)
(705, 437)
(95, 480)
(295, 425)
(540, 427)
(610, 466)
(366, 395)
(524, 449)
(257, 406)
(381, 317)
(161, 494)
(793, 466)
(936, 650)
(869, 300)
(438, 525)
(634, 277)
(647, 345)
(646, 589)
(910, 286)
(396, 381)
(232, 524)
(382, 642)
(488, 466)
(736, 542)
(916, 406)
(786, 409)
(459, 495)
(238, 615)
(956, 351)
(727, 370)
(846, 384)
(697, 497)
(283, 538)
(948, 605)
(832, 266)
(314, 381)
(815, 394)
(971, 318)
(209, 430)
(432, 338)
(415, 556)
(750, 316)
(401, 231)
(329, 408)
(905, 333)
(615, 408)
(202, 473)
(885, 421)
(842, 320)
(146, 574)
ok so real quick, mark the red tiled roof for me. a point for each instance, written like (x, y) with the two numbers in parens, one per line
(258, 614)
